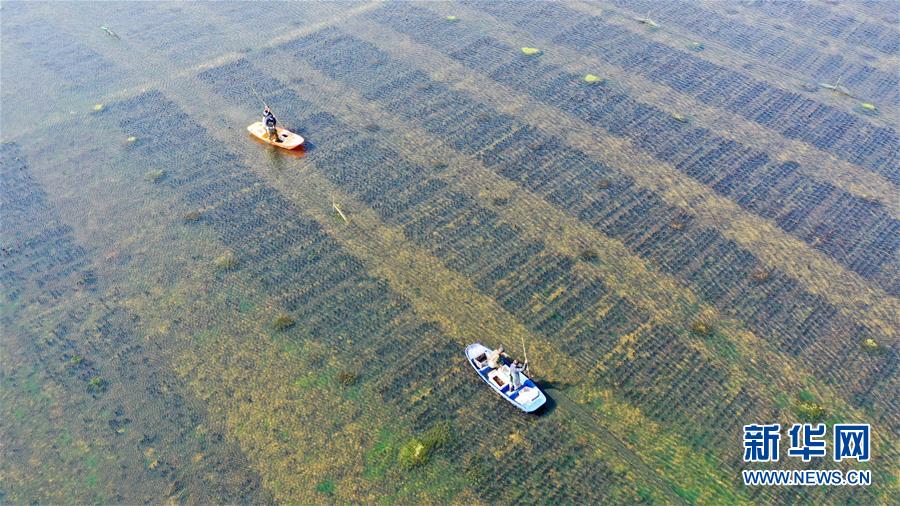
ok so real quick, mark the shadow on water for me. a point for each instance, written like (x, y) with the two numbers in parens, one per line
(547, 387)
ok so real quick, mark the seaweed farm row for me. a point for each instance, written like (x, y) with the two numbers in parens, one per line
(90, 347)
(340, 306)
(771, 47)
(811, 210)
(880, 37)
(843, 134)
(569, 179)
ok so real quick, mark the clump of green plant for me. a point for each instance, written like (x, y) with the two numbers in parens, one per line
(283, 322)
(418, 451)
(589, 255)
(808, 410)
(96, 384)
(155, 176)
(326, 487)
(704, 325)
(871, 345)
(225, 261)
(347, 378)
(191, 217)
(76, 360)
(868, 108)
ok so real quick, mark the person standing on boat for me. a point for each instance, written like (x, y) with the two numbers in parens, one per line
(270, 122)
(515, 374)
(495, 358)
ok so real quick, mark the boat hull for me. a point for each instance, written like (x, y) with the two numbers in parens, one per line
(289, 140)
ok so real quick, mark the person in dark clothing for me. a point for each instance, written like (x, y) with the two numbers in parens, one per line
(270, 122)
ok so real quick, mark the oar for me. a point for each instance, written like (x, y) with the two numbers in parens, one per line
(523, 347)
(260, 98)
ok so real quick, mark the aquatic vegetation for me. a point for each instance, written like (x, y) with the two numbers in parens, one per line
(98, 107)
(680, 118)
(325, 487)
(748, 178)
(97, 385)
(792, 54)
(868, 108)
(451, 18)
(191, 216)
(591, 78)
(283, 322)
(417, 451)
(704, 325)
(347, 378)
(530, 51)
(540, 162)
(810, 411)
(589, 255)
(872, 346)
(131, 139)
(226, 261)
(502, 263)
(155, 176)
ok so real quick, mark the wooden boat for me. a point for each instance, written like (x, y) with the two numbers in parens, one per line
(289, 140)
(528, 397)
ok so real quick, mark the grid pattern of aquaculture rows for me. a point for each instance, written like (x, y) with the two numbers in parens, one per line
(334, 297)
(845, 135)
(820, 19)
(817, 65)
(777, 309)
(43, 264)
(858, 233)
(338, 303)
(471, 240)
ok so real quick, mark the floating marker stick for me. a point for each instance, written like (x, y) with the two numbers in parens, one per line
(338, 210)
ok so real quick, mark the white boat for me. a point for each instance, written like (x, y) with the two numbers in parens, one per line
(527, 397)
